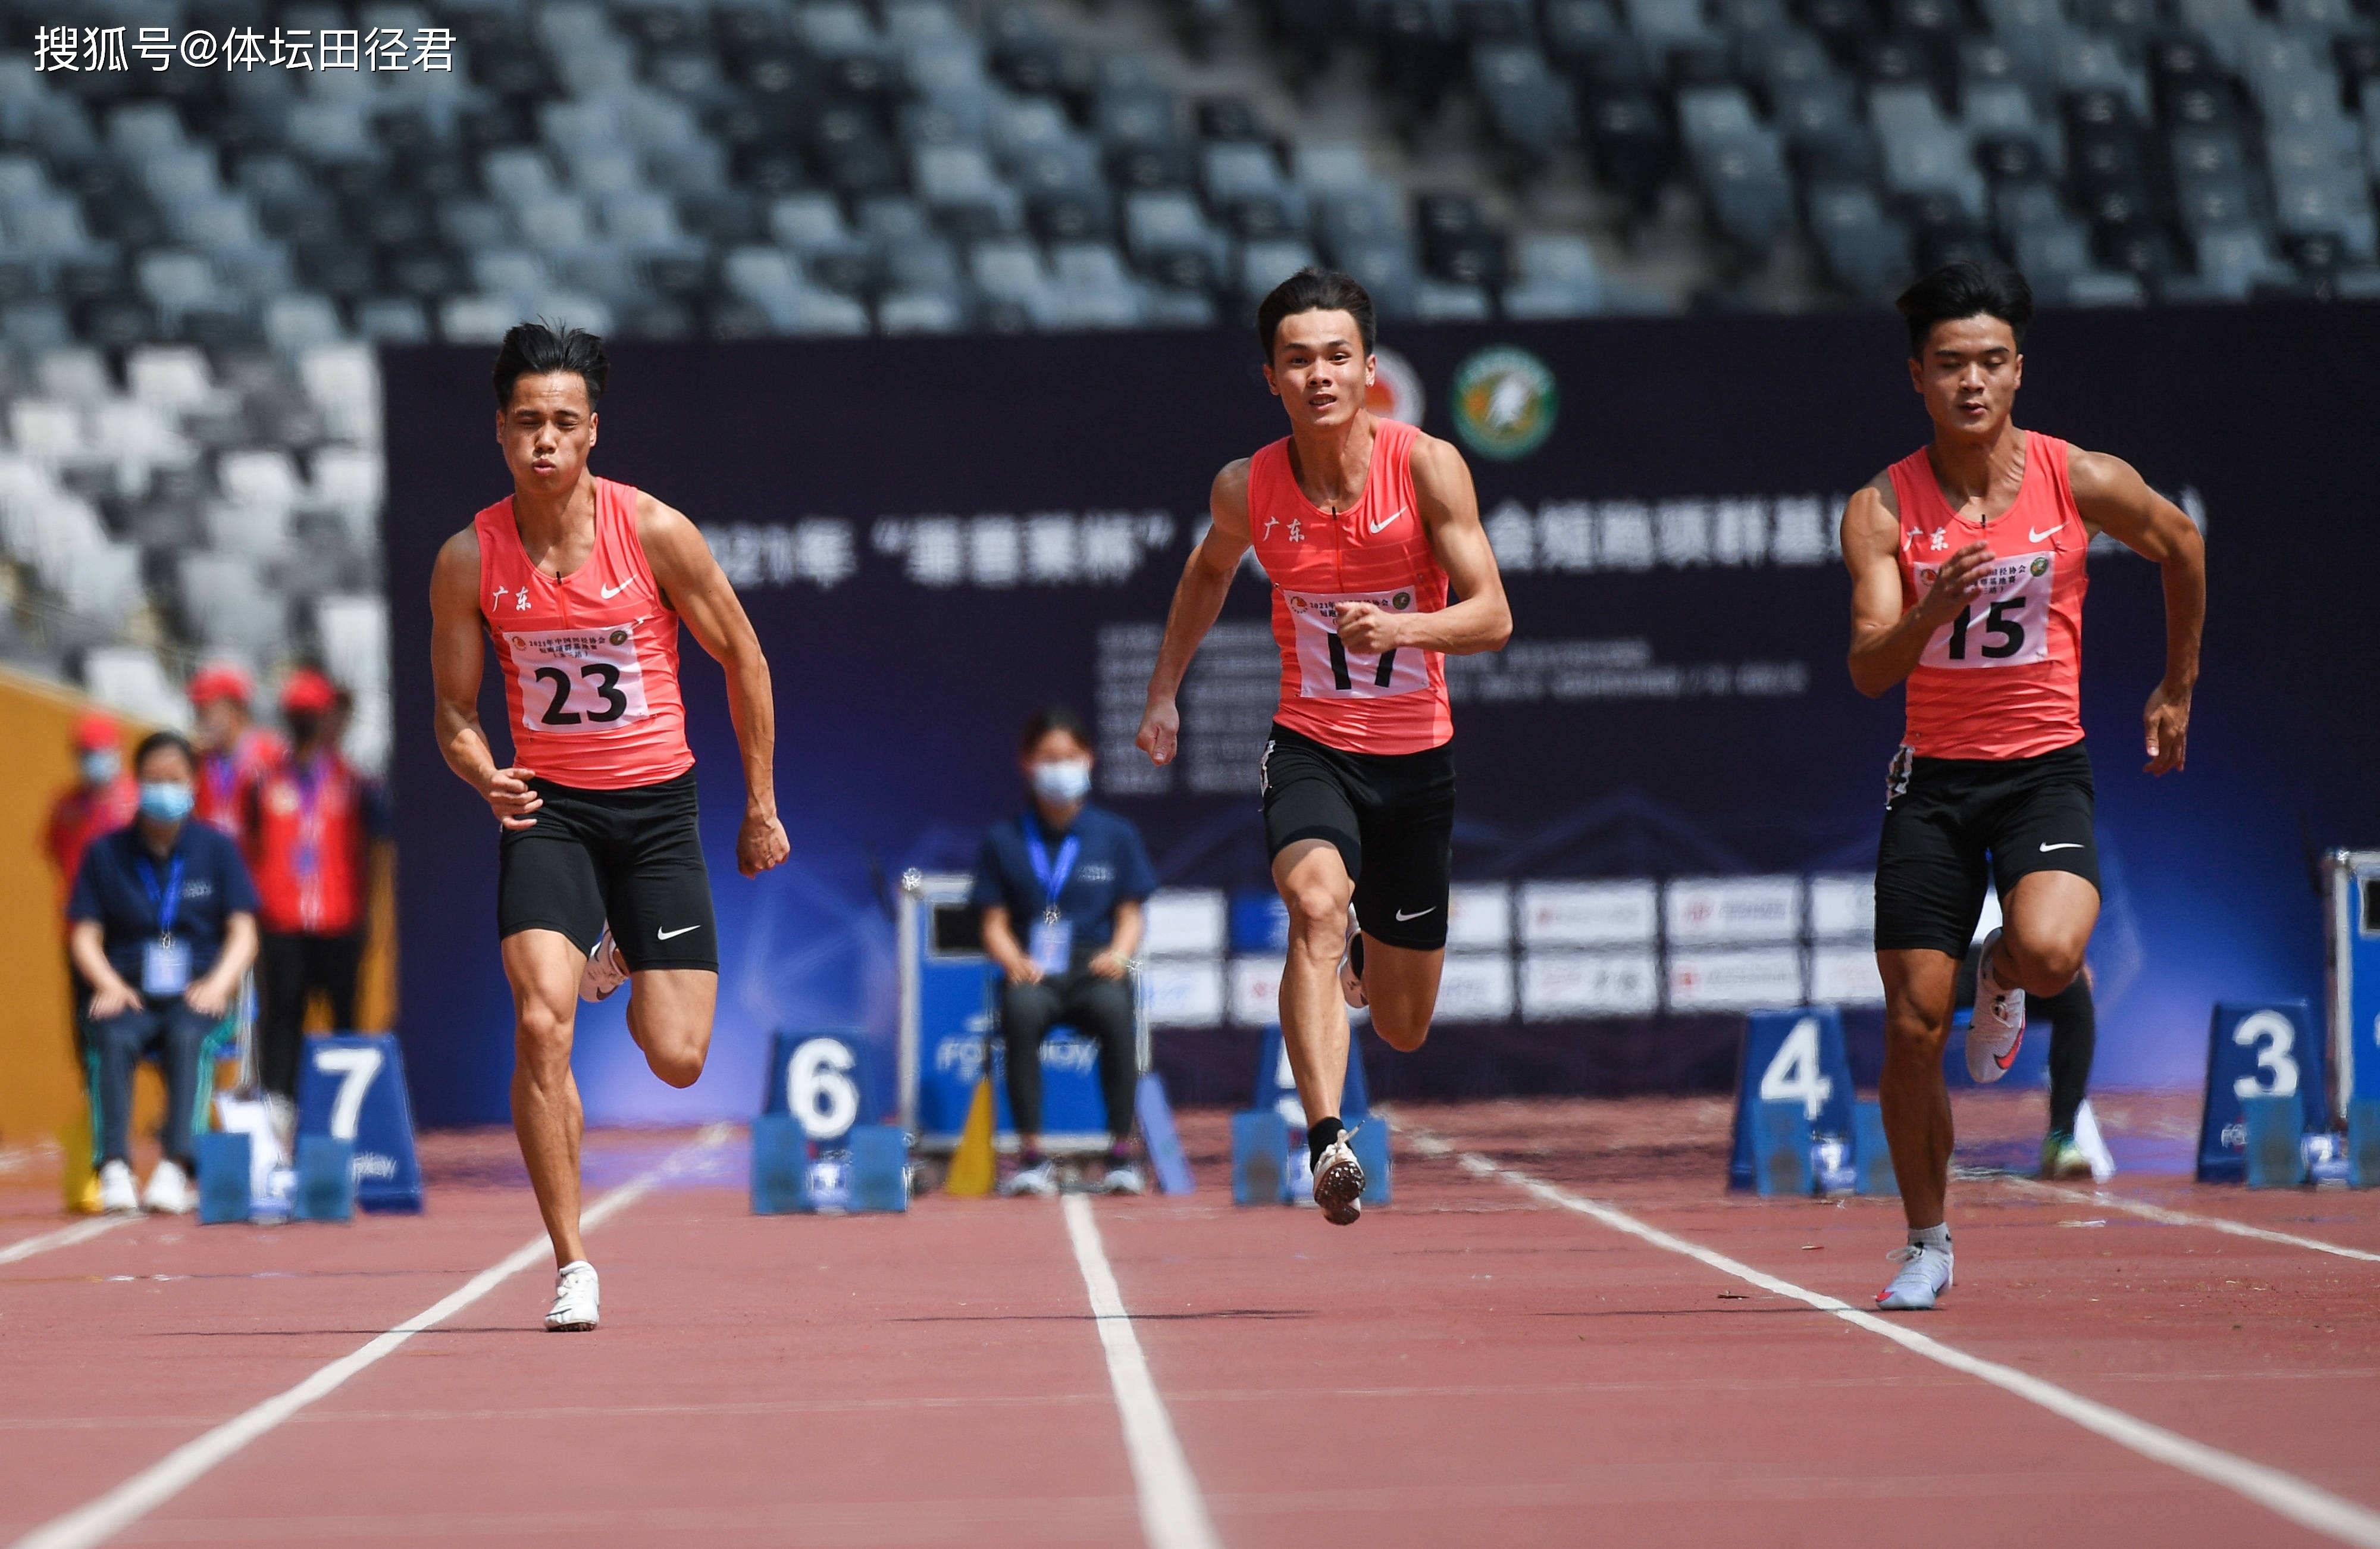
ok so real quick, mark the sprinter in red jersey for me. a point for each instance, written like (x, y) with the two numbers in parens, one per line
(1967, 561)
(580, 584)
(1361, 523)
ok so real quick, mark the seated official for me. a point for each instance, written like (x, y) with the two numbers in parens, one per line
(1060, 888)
(164, 925)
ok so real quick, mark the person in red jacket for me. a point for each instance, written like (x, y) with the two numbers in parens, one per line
(232, 747)
(104, 798)
(310, 821)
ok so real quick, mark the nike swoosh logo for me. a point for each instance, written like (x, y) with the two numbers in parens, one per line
(2072, 844)
(679, 931)
(1376, 527)
(1415, 914)
(2030, 536)
(608, 594)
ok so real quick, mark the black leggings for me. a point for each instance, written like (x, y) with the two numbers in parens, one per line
(1095, 1008)
(292, 967)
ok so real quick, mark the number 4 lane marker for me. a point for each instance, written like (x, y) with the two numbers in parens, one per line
(186, 1465)
(2307, 1504)
(1173, 1516)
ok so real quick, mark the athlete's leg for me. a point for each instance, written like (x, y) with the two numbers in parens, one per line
(1313, 880)
(2073, 1038)
(1401, 900)
(669, 1016)
(544, 966)
(1917, 995)
(1401, 982)
(656, 896)
(2048, 917)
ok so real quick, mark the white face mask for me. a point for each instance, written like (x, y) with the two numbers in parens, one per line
(1064, 781)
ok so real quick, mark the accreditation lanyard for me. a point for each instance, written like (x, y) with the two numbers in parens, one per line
(165, 962)
(306, 860)
(1053, 936)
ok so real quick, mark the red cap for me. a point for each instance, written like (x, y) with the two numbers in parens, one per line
(96, 729)
(307, 692)
(220, 680)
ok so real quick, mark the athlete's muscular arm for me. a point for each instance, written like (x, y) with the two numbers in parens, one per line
(1480, 619)
(2115, 499)
(1886, 638)
(1206, 580)
(700, 589)
(455, 656)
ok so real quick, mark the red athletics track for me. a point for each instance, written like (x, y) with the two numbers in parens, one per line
(1480, 1364)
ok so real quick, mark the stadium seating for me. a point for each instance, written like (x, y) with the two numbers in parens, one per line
(194, 263)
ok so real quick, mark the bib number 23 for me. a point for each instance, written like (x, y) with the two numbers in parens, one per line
(604, 679)
(573, 681)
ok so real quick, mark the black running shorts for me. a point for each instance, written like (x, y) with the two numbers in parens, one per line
(1954, 827)
(630, 856)
(1391, 816)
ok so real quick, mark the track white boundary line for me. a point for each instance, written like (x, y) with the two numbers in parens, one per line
(183, 1467)
(64, 1236)
(1172, 1514)
(2171, 1218)
(2284, 1495)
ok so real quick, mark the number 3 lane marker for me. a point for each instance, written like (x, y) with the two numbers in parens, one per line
(2284, 1495)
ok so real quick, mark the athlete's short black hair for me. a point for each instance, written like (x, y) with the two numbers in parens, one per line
(1965, 290)
(1316, 290)
(158, 741)
(537, 348)
(1050, 718)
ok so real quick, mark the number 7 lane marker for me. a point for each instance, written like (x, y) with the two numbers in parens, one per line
(2305, 1503)
(186, 1465)
(1173, 1516)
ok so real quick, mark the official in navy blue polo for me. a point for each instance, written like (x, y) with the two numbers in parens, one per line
(1061, 886)
(163, 925)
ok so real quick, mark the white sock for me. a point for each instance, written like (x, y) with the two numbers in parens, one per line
(581, 1263)
(1931, 1237)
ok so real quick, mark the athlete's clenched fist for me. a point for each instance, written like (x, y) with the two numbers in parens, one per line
(1161, 732)
(760, 844)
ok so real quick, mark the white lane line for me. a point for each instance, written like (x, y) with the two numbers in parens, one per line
(183, 1467)
(2190, 1218)
(64, 1236)
(2305, 1503)
(1172, 1514)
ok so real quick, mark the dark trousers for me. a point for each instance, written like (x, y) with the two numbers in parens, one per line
(293, 965)
(169, 1031)
(1097, 1009)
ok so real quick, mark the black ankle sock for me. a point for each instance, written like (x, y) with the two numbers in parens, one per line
(1319, 1135)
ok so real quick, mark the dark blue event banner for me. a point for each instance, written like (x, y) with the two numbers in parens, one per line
(1669, 791)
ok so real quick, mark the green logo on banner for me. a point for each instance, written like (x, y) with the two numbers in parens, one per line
(1504, 402)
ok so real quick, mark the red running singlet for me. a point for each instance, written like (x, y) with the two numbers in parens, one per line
(1376, 552)
(590, 661)
(2002, 681)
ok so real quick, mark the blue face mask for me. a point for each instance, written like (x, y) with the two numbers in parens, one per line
(100, 765)
(1062, 781)
(166, 800)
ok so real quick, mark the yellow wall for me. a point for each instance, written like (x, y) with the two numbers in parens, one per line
(40, 1091)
